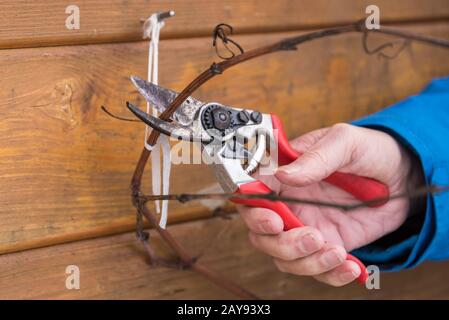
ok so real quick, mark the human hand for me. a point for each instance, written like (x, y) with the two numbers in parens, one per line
(320, 248)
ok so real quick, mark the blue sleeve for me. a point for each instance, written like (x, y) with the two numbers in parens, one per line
(421, 123)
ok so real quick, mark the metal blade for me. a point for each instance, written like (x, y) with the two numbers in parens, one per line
(169, 128)
(160, 98)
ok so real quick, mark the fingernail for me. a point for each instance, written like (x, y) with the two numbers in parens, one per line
(308, 243)
(331, 258)
(349, 275)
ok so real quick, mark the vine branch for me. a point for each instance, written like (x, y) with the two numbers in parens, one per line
(139, 200)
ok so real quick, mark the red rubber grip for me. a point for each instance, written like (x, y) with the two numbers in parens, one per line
(289, 219)
(362, 188)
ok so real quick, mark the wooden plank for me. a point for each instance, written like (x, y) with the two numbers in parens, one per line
(115, 268)
(42, 23)
(66, 166)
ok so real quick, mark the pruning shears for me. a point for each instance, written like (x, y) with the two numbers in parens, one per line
(223, 132)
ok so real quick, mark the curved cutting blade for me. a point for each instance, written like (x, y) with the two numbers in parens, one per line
(172, 129)
(160, 98)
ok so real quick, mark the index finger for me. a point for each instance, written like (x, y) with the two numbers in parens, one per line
(260, 220)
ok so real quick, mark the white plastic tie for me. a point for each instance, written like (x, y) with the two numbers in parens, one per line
(151, 29)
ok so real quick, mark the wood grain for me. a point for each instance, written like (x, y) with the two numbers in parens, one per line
(66, 166)
(42, 23)
(115, 268)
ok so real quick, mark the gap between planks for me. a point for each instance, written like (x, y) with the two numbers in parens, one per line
(242, 32)
(109, 230)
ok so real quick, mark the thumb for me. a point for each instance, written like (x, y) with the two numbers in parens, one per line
(330, 153)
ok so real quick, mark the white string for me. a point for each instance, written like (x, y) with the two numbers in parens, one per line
(152, 28)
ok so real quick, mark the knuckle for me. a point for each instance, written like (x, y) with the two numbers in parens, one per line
(262, 226)
(284, 241)
(309, 241)
(317, 156)
(299, 232)
(345, 132)
(320, 160)
(286, 254)
(289, 244)
(311, 268)
(285, 248)
(342, 128)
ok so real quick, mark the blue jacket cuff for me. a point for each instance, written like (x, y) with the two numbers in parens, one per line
(418, 123)
(406, 253)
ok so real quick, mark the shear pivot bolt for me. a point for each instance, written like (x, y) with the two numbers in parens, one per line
(256, 116)
(243, 116)
(221, 118)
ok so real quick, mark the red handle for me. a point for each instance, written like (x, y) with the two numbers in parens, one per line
(289, 219)
(362, 188)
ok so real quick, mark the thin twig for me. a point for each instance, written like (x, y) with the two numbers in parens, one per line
(410, 35)
(187, 197)
(109, 113)
(402, 44)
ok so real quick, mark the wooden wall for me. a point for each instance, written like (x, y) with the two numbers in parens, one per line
(66, 166)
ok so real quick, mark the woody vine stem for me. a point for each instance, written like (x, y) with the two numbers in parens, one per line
(139, 200)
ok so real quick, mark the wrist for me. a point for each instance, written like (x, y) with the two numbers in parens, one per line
(415, 180)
